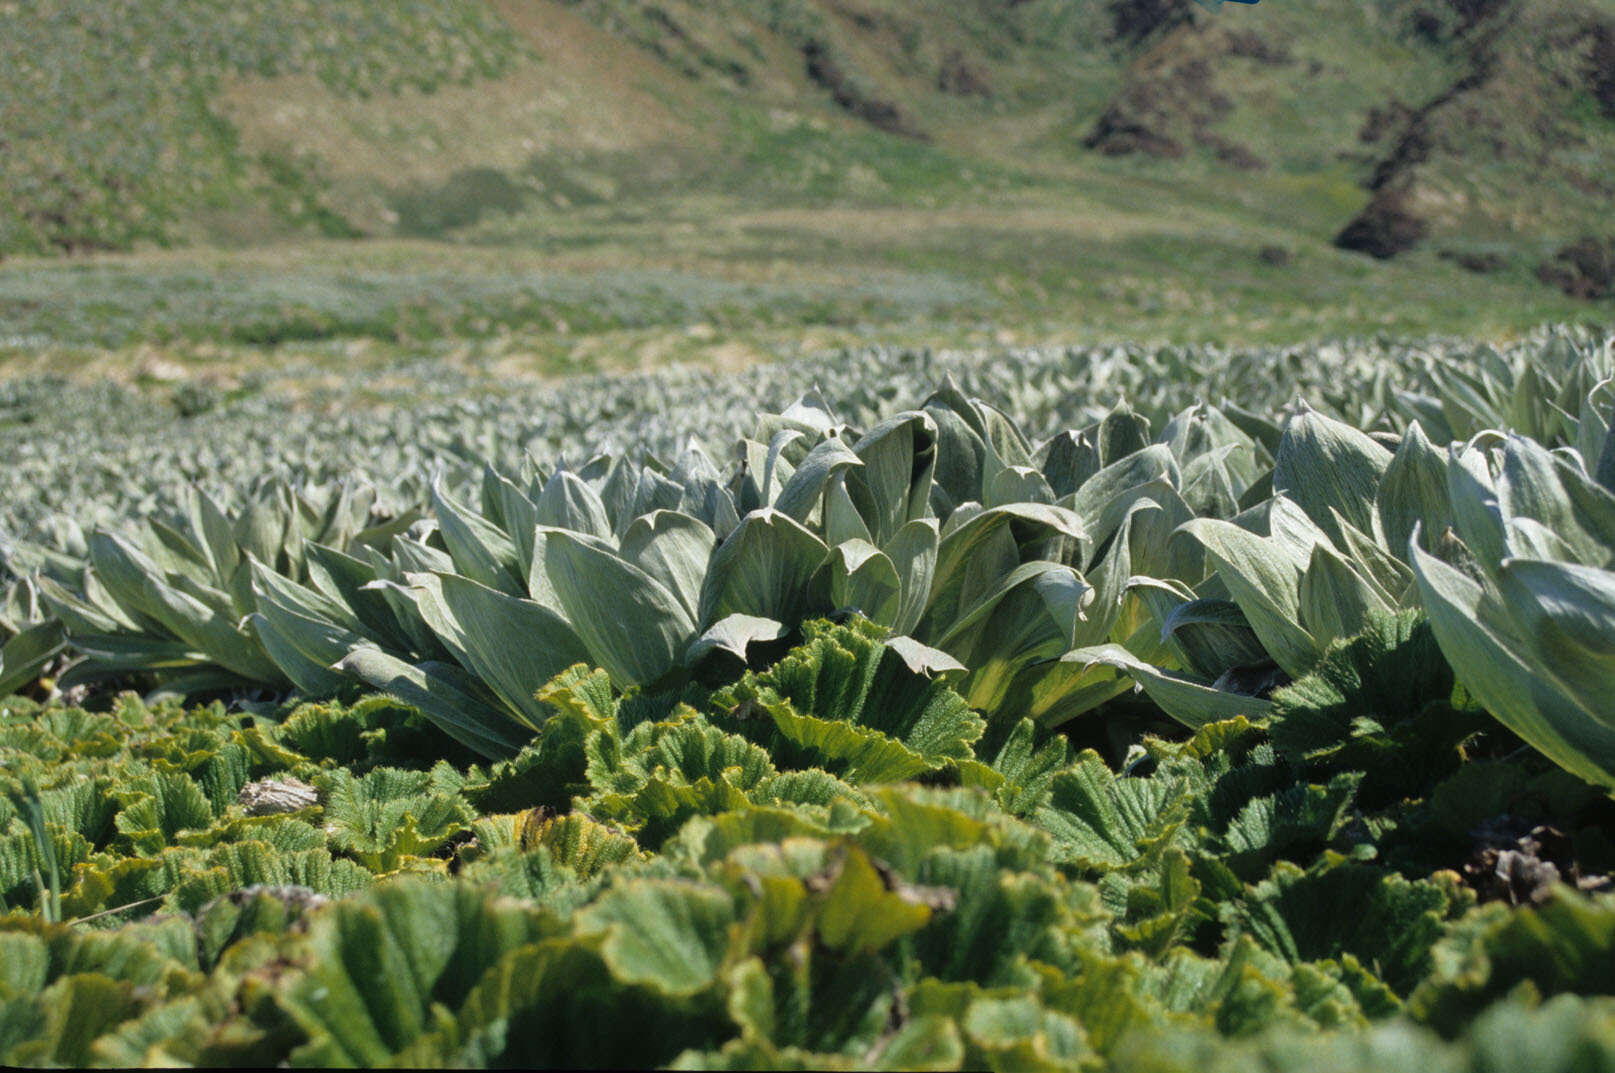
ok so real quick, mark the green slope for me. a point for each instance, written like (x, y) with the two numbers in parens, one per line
(1489, 120)
(790, 174)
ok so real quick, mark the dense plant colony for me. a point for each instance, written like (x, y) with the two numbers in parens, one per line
(1175, 735)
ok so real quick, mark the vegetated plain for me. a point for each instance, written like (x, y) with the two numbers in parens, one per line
(434, 633)
(607, 185)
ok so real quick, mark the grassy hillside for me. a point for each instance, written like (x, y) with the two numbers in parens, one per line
(623, 181)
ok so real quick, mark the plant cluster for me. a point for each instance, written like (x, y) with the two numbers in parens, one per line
(1175, 735)
(830, 862)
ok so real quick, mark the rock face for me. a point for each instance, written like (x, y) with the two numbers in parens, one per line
(1583, 269)
(270, 797)
(1384, 229)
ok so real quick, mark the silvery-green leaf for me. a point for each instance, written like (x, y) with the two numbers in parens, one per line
(221, 603)
(1123, 432)
(24, 657)
(346, 580)
(300, 598)
(1104, 499)
(1528, 538)
(972, 558)
(1190, 702)
(962, 515)
(1003, 436)
(961, 451)
(766, 568)
(812, 412)
(655, 492)
(444, 694)
(1208, 486)
(913, 552)
(346, 515)
(1595, 434)
(735, 634)
(693, 465)
(1070, 594)
(631, 624)
(1258, 428)
(302, 523)
(752, 493)
(1265, 582)
(217, 534)
(1427, 412)
(1482, 652)
(863, 579)
(514, 646)
(674, 549)
(518, 515)
(1109, 577)
(135, 582)
(78, 615)
(304, 648)
(1156, 549)
(480, 550)
(1016, 484)
(1414, 491)
(260, 529)
(382, 534)
(112, 654)
(1387, 575)
(899, 459)
(1067, 460)
(568, 502)
(712, 505)
(1324, 463)
(213, 633)
(616, 492)
(1032, 620)
(1293, 531)
(1335, 600)
(1565, 612)
(1475, 507)
(806, 487)
(923, 659)
(779, 466)
(1053, 692)
(123, 569)
(1575, 506)
(1213, 636)
(406, 613)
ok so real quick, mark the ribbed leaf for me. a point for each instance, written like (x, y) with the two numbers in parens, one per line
(1189, 702)
(1323, 463)
(445, 694)
(514, 646)
(631, 624)
(767, 568)
(1266, 586)
(674, 549)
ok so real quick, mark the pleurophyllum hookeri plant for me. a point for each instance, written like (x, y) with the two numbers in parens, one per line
(174, 599)
(1520, 588)
(983, 558)
(920, 524)
(29, 640)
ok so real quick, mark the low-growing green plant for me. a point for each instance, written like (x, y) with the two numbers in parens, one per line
(751, 876)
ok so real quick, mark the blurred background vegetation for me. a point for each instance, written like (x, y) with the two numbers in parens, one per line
(189, 186)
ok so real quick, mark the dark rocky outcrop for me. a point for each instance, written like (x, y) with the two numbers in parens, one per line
(1583, 269)
(1385, 228)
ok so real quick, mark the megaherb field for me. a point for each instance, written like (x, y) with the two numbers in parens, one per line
(1147, 709)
